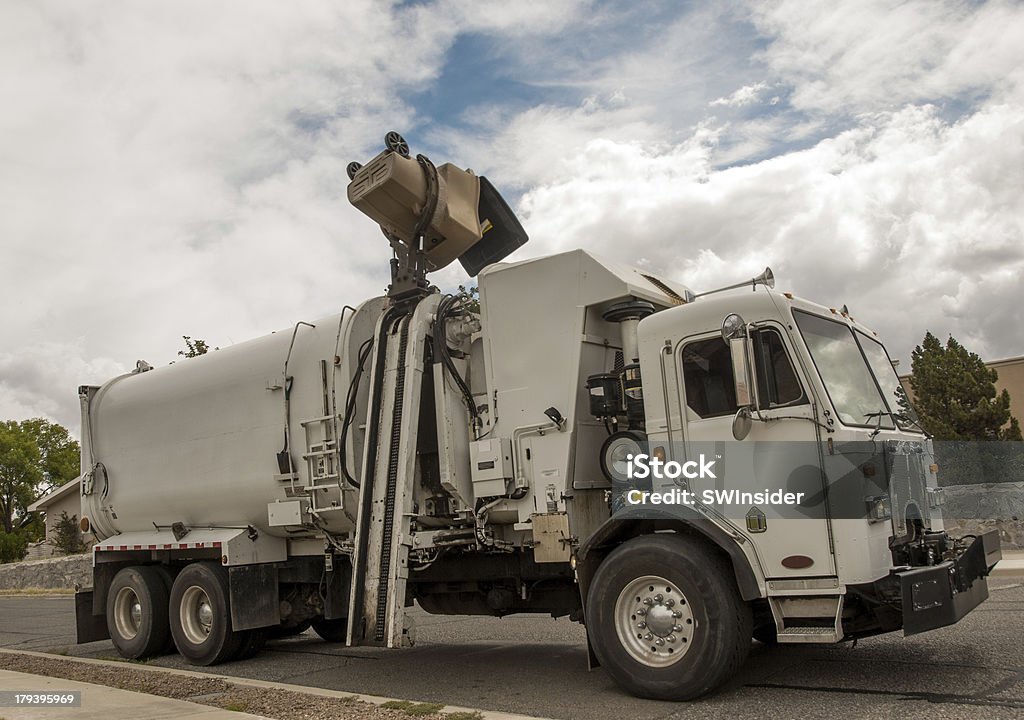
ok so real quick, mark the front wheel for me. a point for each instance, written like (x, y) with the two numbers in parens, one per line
(665, 618)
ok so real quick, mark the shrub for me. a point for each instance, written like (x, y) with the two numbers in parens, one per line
(66, 536)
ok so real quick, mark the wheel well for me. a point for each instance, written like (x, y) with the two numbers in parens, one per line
(615, 532)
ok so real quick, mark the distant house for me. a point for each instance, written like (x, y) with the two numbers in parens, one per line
(66, 498)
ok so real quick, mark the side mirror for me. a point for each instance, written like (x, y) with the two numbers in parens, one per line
(741, 423)
(734, 333)
(733, 327)
(741, 372)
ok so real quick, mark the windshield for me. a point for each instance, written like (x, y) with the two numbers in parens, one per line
(887, 378)
(848, 380)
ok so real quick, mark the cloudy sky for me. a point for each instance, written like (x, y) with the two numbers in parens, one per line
(172, 169)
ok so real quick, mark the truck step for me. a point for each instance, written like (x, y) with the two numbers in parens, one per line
(809, 635)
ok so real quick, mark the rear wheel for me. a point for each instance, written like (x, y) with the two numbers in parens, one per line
(200, 615)
(665, 618)
(253, 643)
(286, 631)
(331, 630)
(168, 579)
(137, 612)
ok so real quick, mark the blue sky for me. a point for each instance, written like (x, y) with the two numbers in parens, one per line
(178, 169)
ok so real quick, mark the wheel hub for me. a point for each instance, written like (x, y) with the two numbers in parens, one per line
(196, 615)
(127, 613)
(653, 621)
(660, 620)
(206, 616)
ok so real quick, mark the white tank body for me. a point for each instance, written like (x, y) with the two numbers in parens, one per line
(196, 442)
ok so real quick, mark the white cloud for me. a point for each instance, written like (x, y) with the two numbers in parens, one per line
(913, 222)
(744, 96)
(179, 169)
(43, 380)
(513, 19)
(857, 57)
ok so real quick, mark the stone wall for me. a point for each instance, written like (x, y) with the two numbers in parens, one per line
(973, 509)
(60, 573)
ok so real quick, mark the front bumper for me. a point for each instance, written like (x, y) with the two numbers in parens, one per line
(942, 594)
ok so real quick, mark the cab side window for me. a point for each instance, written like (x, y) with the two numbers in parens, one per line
(708, 379)
(777, 383)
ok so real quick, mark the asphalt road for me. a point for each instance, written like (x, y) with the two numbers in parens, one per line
(538, 666)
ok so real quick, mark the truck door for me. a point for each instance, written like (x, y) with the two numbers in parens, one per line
(779, 454)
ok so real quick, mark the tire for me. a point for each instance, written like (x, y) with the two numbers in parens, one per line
(168, 578)
(287, 631)
(137, 612)
(200, 615)
(253, 643)
(676, 590)
(333, 631)
(766, 635)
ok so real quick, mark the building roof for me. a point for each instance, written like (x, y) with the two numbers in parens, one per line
(54, 495)
(1006, 361)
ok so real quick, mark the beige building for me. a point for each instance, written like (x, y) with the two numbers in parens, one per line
(1011, 378)
(62, 499)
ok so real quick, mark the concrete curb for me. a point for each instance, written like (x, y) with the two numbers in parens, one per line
(268, 684)
(101, 702)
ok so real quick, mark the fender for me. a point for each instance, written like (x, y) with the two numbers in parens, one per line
(629, 523)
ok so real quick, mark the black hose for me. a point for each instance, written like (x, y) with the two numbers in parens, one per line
(442, 352)
(350, 407)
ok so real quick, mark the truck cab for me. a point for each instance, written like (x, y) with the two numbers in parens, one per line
(787, 394)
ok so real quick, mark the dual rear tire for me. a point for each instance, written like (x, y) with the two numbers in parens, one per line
(200, 616)
(148, 613)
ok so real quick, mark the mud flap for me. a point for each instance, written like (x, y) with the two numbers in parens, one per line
(88, 627)
(254, 600)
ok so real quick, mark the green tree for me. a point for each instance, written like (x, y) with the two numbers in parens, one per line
(36, 456)
(20, 473)
(12, 547)
(194, 347)
(59, 453)
(955, 394)
(473, 293)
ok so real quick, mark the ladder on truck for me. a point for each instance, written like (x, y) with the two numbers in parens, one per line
(380, 559)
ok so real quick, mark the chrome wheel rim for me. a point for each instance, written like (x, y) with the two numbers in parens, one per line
(196, 615)
(127, 613)
(653, 621)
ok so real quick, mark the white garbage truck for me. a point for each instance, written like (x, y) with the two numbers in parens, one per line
(472, 454)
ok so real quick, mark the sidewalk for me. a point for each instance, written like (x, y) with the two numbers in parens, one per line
(107, 703)
(1011, 564)
(104, 703)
